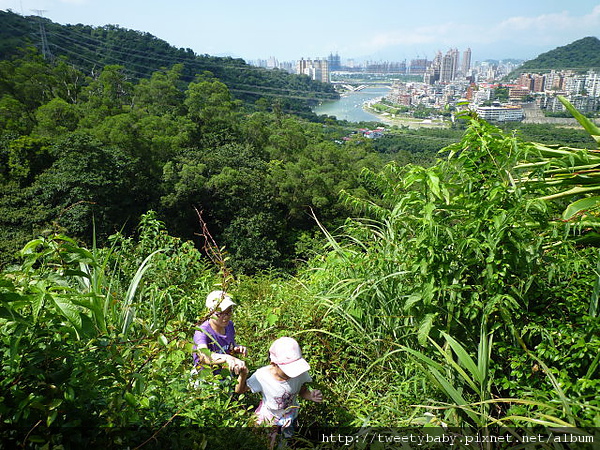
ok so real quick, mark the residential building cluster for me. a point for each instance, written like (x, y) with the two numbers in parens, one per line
(452, 77)
(448, 67)
(482, 92)
(581, 89)
(443, 68)
(480, 98)
(364, 132)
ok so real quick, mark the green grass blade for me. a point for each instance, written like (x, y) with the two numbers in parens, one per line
(464, 358)
(586, 123)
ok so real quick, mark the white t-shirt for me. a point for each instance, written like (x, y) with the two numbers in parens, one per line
(278, 405)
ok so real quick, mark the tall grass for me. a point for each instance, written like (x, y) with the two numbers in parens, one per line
(447, 264)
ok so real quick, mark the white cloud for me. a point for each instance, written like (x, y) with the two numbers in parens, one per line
(545, 29)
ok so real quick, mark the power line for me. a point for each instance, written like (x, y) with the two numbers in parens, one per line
(45, 49)
(258, 89)
(89, 44)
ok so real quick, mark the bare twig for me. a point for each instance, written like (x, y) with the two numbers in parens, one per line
(214, 253)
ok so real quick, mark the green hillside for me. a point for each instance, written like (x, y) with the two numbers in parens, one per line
(451, 294)
(91, 48)
(581, 55)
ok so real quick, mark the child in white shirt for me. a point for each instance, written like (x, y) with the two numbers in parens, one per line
(280, 383)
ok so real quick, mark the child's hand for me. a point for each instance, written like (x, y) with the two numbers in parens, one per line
(316, 396)
(235, 365)
(241, 350)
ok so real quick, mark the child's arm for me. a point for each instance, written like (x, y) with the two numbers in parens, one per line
(222, 359)
(241, 385)
(315, 395)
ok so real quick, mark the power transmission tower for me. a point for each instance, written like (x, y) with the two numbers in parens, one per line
(45, 48)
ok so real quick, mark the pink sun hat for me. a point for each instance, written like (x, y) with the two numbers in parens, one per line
(286, 353)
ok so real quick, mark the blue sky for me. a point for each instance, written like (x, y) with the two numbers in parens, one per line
(391, 30)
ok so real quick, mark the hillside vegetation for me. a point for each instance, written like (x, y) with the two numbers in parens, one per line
(457, 289)
(91, 48)
(579, 56)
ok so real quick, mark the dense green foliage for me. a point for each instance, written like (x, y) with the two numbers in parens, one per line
(459, 253)
(75, 148)
(581, 55)
(456, 284)
(456, 298)
(551, 134)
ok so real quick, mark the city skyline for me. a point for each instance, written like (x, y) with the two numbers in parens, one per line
(392, 31)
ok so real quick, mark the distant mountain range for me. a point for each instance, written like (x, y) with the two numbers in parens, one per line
(91, 48)
(579, 56)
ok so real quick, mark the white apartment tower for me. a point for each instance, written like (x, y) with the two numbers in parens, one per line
(449, 66)
(317, 69)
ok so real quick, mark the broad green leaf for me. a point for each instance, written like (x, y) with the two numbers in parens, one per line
(581, 205)
(453, 393)
(420, 356)
(433, 181)
(37, 301)
(130, 399)
(163, 340)
(31, 246)
(51, 417)
(411, 300)
(457, 367)
(55, 403)
(76, 273)
(67, 308)
(425, 328)
(272, 319)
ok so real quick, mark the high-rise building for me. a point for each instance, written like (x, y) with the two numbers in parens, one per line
(555, 80)
(317, 69)
(592, 84)
(432, 74)
(466, 62)
(334, 62)
(525, 81)
(539, 83)
(449, 66)
(418, 66)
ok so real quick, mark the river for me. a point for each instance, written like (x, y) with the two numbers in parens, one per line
(349, 106)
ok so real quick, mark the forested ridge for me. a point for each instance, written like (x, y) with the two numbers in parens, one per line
(442, 280)
(90, 48)
(579, 56)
